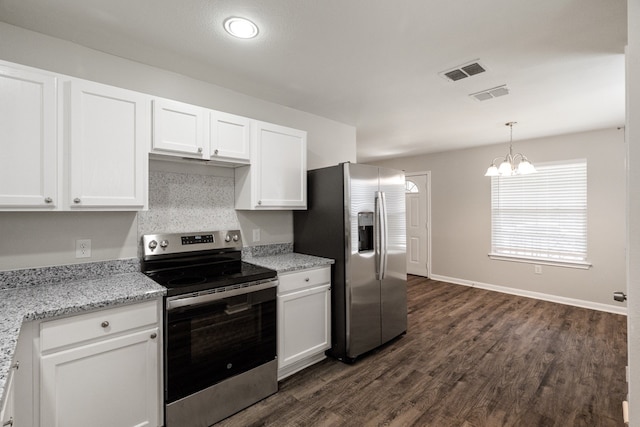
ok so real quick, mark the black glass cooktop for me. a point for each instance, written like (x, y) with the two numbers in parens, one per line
(190, 274)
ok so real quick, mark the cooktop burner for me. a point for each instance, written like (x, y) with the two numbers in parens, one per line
(187, 263)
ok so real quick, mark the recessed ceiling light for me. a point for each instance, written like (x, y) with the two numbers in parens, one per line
(241, 28)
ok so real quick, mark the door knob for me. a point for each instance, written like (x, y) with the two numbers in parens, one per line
(619, 296)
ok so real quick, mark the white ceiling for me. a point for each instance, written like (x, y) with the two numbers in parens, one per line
(374, 64)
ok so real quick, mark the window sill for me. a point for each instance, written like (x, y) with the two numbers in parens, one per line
(540, 261)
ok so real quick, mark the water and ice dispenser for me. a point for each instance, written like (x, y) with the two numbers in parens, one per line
(365, 231)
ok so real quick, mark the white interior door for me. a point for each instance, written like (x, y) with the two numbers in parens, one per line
(418, 199)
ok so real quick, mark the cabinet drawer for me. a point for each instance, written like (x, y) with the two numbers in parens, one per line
(99, 324)
(303, 279)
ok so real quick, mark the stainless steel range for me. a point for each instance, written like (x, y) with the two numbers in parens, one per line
(220, 325)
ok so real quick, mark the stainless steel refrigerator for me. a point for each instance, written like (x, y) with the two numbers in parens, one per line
(356, 215)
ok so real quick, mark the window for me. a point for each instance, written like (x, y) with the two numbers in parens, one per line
(541, 218)
(410, 187)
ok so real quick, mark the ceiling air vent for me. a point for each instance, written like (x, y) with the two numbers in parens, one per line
(463, 71)
(495, 92)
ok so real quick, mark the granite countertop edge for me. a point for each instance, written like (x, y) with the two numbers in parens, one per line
(48, 301)
(290, 262)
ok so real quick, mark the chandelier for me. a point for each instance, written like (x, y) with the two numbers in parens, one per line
(512, 164)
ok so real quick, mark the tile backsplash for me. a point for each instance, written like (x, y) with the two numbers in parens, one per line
(180, 202)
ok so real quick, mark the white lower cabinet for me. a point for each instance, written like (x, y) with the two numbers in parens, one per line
(17, 404)
(102, 368)
(7, 412)
(304, 319)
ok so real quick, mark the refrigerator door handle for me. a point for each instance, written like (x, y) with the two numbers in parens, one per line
(378, 236)
(384, 235)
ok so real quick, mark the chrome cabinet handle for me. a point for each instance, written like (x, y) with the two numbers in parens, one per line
(105, 324)
(153, 336)
(76, 200)
(48, 200)
(8, 423)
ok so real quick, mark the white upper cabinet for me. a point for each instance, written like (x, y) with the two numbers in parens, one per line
(28, 142)
(277, 177)
(108, 141)
(230, 137)
(179, 129)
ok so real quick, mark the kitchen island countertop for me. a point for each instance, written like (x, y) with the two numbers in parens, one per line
(288, 262)
(37, 302)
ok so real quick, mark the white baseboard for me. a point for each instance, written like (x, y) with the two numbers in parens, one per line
(537, 295)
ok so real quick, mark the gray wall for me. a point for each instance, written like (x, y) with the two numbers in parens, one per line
(44, 238)
(461, 216)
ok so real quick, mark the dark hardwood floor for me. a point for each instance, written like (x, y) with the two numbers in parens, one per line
(470, 357)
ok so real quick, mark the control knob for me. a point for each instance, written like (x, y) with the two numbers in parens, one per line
(164, 244)
(153, 244)
(227, 238)
(235, 237)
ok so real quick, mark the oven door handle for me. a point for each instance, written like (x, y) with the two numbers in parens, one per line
(214, 296)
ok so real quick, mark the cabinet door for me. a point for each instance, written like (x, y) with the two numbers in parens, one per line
(178, 129)
(109, 131)
(304, 324)
(108, 383)
(230, 137)
(28, 143)
(8, 405)
(280, 167)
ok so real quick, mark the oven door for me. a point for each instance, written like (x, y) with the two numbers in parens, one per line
(212, 337)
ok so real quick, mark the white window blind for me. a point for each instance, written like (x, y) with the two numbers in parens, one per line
(542, 216)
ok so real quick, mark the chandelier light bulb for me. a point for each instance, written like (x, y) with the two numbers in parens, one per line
(513, 164)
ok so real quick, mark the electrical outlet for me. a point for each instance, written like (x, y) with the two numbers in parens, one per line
(537, 269)
(83, 248)
(256, 235)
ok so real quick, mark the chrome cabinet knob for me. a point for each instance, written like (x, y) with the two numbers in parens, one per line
(215, 151)
(199, 149)
(306, 279)
(76, 200)
(153, 336)
(105, 324)
(48, 200)
(8, 423)
(16, 365)
(259, 202)
(619, 296)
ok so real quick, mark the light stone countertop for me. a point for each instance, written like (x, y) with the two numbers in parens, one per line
(288, 262)
(36, 302)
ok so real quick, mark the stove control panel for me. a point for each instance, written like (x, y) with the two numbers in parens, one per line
(164, 244)
(197, 239)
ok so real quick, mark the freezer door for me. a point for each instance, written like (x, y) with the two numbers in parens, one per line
(362, 287)
(393, 289)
